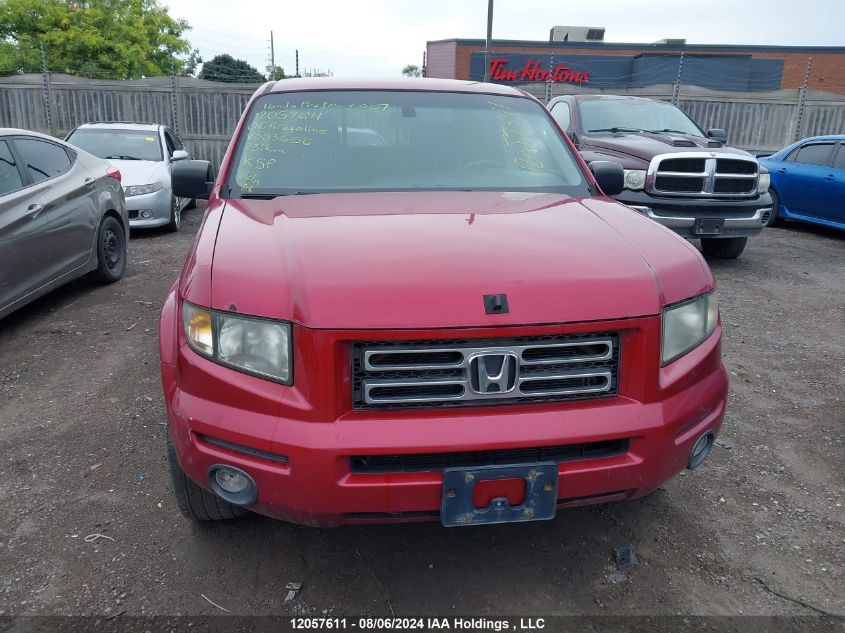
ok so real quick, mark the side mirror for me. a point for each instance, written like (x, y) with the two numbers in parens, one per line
(179, 154)
(609, 176)
(192, 179)
(718, 134)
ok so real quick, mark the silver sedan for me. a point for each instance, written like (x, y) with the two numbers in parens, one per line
(62, 215)
(144, 153)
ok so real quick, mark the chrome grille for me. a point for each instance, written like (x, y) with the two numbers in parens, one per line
(411, 374)
(701, 174)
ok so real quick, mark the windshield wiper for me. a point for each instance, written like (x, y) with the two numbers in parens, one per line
(122, 157)
(259, 196)
(270, 196)
(616, 130)
(670, 131)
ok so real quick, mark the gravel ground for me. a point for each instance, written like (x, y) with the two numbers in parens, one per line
(82, 437)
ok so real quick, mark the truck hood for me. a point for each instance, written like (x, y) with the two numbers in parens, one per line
(425, 260)
(645, 145)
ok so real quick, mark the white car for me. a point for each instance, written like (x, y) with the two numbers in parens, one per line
(144, 154)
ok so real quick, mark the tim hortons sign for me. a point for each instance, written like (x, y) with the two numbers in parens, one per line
(532, 71)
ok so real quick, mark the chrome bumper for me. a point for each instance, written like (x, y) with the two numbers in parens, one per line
(734, 226)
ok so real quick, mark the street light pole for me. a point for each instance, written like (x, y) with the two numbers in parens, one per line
(487, 43)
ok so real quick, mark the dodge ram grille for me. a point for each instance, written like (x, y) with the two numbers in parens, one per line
(413, 374)
(709, 176)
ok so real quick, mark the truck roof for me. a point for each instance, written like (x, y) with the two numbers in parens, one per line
(382, 83)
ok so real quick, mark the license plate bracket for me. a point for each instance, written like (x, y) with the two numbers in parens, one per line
(709, 226)
(457, 507)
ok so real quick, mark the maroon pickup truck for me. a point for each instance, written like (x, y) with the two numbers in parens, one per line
(675, 173)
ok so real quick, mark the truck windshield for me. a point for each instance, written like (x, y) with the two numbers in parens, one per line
(362, 140)
(629, 115)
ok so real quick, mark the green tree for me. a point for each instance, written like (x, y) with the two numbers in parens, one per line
(279, 74)
(226, 68)
(412, 70)
(107, 39)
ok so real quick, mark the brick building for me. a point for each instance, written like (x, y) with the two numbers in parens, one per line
(599, 64)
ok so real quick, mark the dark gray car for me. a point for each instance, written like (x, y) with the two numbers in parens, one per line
(62, 215)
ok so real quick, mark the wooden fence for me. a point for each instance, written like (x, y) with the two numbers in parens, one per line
(204, 113)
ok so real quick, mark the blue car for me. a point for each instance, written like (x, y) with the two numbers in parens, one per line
(808, 182)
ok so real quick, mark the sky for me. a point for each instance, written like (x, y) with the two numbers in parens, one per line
(379, 37)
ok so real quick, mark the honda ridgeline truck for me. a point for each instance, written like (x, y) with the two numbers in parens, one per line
(400, 307)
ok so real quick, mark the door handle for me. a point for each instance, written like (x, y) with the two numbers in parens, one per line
(782, 170)
(89, 183)
(34, 210)
(829, 177)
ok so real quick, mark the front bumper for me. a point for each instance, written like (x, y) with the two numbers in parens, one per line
(742, 218)
(157, 204)
(219, 416)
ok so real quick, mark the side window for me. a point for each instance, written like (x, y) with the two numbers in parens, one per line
(168, 140)
(560, 112)
(42, 159)
(839, 161)
(814, 154)
(10, 177)
(177, 144)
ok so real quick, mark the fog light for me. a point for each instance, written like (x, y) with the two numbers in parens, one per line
(231, 480)
(700, 450)
(146, 214)
(233, 485)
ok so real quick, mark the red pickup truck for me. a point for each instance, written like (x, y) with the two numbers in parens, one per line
(412, 300)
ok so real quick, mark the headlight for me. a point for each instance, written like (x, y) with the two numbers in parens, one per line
(249, 344)
(764, 181)
(140, 190)
(686, 325)
(634, 178)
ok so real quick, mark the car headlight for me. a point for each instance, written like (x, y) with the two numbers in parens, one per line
(686, 325)
(250, 344)
(634, 178)
(140, 190)
(764, 181)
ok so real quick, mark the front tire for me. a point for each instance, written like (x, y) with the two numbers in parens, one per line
(196, 503)
(175, 215)
(775, 219)
(111, 251)
(723, 248)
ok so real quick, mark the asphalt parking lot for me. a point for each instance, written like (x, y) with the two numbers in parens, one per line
(82, 437)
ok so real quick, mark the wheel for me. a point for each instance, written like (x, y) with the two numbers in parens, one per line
(111, 251)
(175, 215)
(196, 503)
(775, 219)
(723, 248)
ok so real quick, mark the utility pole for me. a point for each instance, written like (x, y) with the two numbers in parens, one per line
(549, 85)
(802, 100)
(45, 80)
(272, 57)
(422, 70)
(297, 62)
(676, 90)
(174, 99)
(488, 41)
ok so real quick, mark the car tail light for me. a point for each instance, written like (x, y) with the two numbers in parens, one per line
(113, 172)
